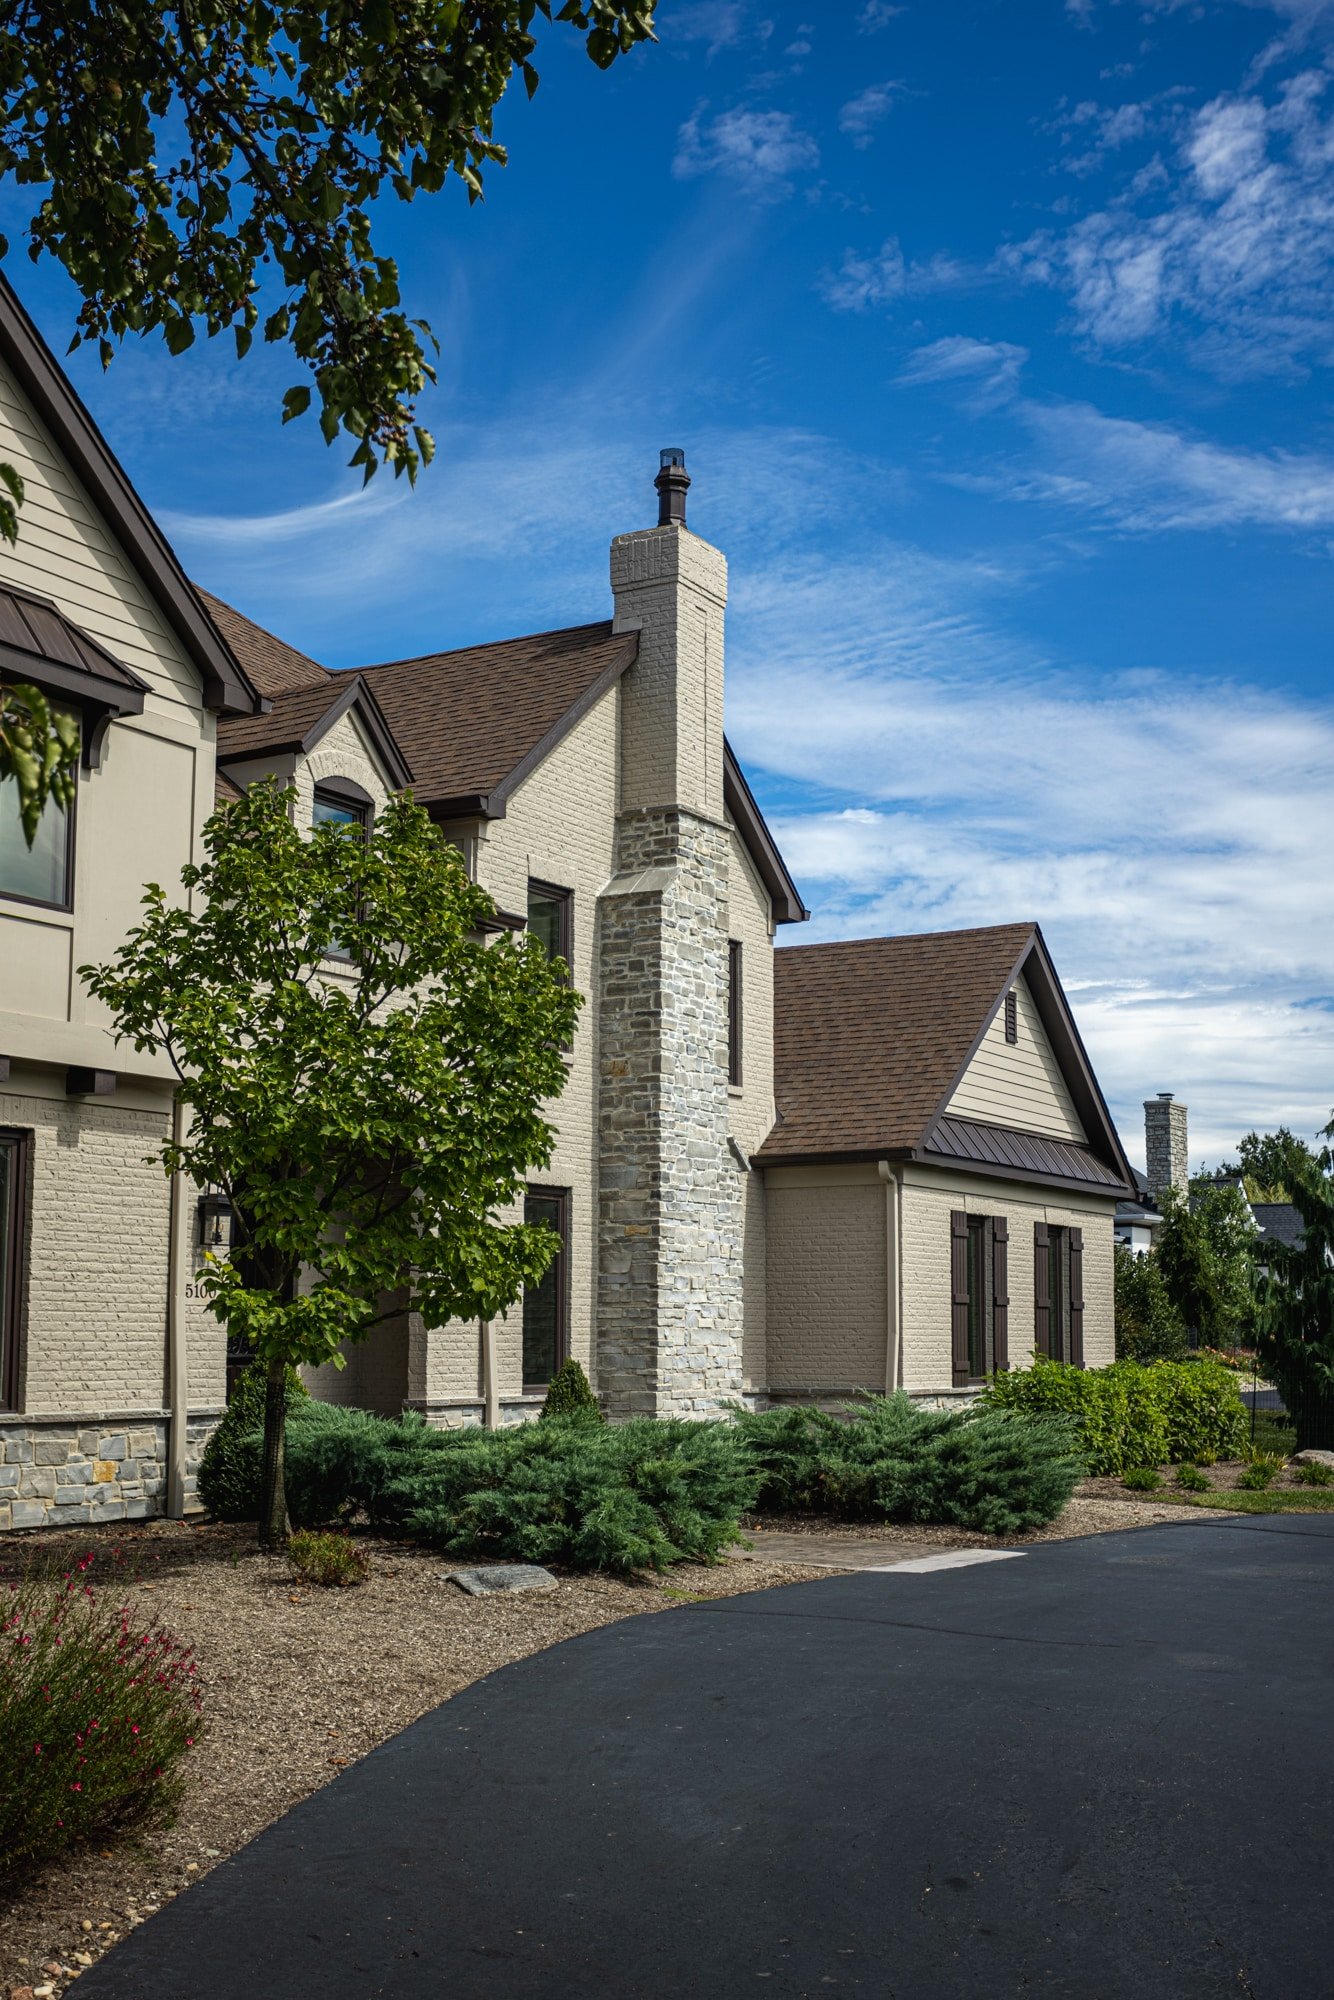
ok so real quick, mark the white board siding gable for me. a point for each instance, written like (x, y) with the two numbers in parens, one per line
(1018, 1084)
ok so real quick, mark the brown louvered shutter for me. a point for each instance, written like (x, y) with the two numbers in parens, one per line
(959, 1293)
(1077, 1297)
(1041, 1290)
(1000, 1292)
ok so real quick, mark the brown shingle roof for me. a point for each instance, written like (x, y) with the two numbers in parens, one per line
(473, 723)
(283, 728)
(273, 665)
(870, 1035)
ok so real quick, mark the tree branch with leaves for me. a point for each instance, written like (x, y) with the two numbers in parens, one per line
(371, 1116)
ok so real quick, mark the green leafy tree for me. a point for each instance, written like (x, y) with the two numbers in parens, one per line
(1295, 1334)
(39, 751)
(215, 168)
(369, 1121)
(1269, 1163)
(1206, 1255)
(1148, 1325)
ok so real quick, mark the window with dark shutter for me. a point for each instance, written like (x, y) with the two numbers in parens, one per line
(1042, 1288)
(1000, 1293)
(1011, 1017)
(1076, 1320)
(734, 997)
(959, 1294)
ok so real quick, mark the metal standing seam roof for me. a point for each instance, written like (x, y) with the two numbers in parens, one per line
(33, 630)
(1023, 1152)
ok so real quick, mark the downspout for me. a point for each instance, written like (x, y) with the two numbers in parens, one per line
(490, 1377)
(178, 1386)
(893, 1308)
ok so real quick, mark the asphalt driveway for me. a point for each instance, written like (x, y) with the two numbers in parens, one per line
(1103, 1770)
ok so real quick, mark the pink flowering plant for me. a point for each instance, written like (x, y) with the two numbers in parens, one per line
(96, 1715)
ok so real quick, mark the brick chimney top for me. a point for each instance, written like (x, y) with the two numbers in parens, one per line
(673, 483)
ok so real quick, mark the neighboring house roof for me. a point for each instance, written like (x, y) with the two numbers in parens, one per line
(225, 791)
(871, 1039)
(44, 383)
(1281, 1222)
(295, 723)
(472, 724)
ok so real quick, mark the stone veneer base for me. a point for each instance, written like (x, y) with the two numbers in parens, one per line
(75, 1469)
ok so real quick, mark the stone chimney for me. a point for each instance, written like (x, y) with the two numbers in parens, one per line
(670, 1226)
(1167, 1164)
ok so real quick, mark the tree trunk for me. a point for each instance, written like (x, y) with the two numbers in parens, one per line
(274, 1526)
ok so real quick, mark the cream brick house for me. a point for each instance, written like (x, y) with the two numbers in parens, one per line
(791, 1173)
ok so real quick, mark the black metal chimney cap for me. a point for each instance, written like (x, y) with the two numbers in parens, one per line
(673, 483)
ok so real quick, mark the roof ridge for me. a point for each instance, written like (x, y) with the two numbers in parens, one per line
(488, 645)
(914, 937)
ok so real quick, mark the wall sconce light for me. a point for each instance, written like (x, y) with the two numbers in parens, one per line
(215, 1224)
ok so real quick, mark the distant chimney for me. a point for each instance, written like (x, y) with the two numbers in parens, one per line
(1165, 1143)
(673, 483)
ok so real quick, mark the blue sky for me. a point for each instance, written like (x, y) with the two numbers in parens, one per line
(999, 339)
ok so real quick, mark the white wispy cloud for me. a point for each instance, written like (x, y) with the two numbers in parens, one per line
(1229, 239)
(862, 113)
(1170, 834)
(886, 275)
(719, 24)
(763, 150)
(985, 371)
(877, 14)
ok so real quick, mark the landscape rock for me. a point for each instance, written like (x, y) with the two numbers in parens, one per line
(1313, 1457)
(506, 1577)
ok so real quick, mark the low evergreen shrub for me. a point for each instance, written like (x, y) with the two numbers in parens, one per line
(1133, 1413)
(332, 1561)
(1191, 1479)
(888, 1458)
(1255, 1478)
(639, 1495)
(1312, 1473)
(228, 1476)
(570, 1396)
(1142, 1478)
(95, 1718)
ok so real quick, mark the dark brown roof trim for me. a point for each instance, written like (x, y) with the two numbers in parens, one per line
(497, 799)
(921, 1156)
(39, 644)
(43, 381)
(353, 694)
(760, 844)
(970, 1142)
(1034, 963)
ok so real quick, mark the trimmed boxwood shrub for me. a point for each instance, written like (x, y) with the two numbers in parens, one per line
(570, 1396)
(1133, 1413)
(887, 1458)
(228, 1486)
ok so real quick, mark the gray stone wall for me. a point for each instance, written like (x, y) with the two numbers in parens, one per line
(670, 1193)
(65, 1472)
(1167, 1163)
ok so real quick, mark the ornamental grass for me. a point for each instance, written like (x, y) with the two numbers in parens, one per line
(95, 1717)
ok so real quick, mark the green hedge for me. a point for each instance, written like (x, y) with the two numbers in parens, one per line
(1133, 1413)
(888, 1459)
(621, 1497)
(228, 1486)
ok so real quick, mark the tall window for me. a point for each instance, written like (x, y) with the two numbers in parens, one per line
(734, 997)
(12, 1161)
(338, 808)
(550, 911)
(546, 1306)
(41, 873)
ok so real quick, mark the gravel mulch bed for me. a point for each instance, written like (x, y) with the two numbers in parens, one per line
(1224, 1478)
(1090, 1512)
(298, 1683)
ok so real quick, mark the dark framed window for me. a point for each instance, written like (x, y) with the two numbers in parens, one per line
(980, 1295)
(13, 1182)
(735, 996)
(341, 804)
(551, 919)
(1012, 1017)
(546, 1306)
(44, 872)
